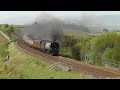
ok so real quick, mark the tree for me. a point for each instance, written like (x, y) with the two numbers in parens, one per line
(105, 30)
(6, 25)
(100, 44)
(9, 30)
(112, 54)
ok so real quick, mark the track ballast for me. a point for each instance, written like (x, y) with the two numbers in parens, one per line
(97, 71)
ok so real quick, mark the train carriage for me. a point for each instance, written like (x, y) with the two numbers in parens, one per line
(37, 44)
(28, 40)
(42, 45)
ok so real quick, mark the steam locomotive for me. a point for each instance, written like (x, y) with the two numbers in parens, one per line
(45, 46)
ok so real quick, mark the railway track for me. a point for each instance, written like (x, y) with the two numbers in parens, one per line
(77, 66)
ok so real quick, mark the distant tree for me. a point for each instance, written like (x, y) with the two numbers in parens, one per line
(105, 30)
(6, 25)
(9, 30)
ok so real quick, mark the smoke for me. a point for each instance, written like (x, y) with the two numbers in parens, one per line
(88, 18)
(48, 27)
(45, 27)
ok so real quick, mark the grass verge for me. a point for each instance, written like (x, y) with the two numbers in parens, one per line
(23, 66)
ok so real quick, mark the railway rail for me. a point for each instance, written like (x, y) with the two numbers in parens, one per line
(77, 66)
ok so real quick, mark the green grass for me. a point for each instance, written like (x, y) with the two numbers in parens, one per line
(3, 47)
(3, 40)
(23, 66)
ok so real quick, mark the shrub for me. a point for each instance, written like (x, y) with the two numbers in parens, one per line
(94, 50)
(7, 29)
(76, 50)
(100, 44)
(70, 40)
(6, 25)
(112, 55)
(66, 52)
(68, 46)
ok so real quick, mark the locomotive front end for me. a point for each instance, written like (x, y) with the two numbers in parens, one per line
(50, 47)
(54, 48)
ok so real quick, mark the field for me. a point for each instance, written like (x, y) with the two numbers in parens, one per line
(23, 66)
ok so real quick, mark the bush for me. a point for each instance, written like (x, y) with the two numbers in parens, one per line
(66, 52)
(6, 25)
(112, 55)
(70, 40)
(68, 46)
(7, 29)
(94, 50)
(100, 44)
(76, 50)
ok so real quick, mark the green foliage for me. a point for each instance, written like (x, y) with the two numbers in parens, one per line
(100, 44)
(3, 48)
(3, 51)
(6, 25)
(69, 40)
(95, 50)
(7, 29)
(66, 52)
(105, 30)
(112, 54)
(73, 45)
(76, 50)
(22, 66)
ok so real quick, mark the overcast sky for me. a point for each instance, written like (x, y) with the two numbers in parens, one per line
(22, 17)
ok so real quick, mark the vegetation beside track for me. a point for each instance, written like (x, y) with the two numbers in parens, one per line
(23, 66)
(98, 50)
(101, 50)
(3, 48)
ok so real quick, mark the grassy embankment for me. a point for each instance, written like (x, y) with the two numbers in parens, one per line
(23, 66)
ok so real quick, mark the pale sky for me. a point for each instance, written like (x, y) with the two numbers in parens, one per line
(22, 17)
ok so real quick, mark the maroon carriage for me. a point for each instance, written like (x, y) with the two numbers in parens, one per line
(37, 44)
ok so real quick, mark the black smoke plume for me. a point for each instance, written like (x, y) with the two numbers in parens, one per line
(45, 27)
